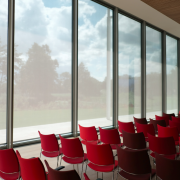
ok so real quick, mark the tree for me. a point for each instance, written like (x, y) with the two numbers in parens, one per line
(3, 65)
(64, 82)
(87, 85)
(38, 76)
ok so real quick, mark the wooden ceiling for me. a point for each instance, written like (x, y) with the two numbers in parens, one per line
(170, 8)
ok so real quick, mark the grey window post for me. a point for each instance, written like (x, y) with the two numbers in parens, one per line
(115, 67)
(178, 75)
(143, 70)
(10, 74)
(74, 113)
(164, 78)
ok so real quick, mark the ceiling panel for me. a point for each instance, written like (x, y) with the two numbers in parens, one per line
(170, 8)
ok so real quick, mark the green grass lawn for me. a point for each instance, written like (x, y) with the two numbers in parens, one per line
(24, 118)
(40, 117)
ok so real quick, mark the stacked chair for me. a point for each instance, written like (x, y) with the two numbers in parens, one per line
(49, 146)
(110, 136)
(126, 126)
(88, 134)
(9, 165)
(73, 152)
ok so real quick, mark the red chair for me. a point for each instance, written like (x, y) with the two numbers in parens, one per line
(135, 165)
(9, 165)
(167, 169)
(49, 146)
(162, 145)
(145, 128)
(169, 115)
(110, 136)
(176, 119)
(86, 177)
(169, 132)
(101, 158)
(31, 168)
(126, 126)
(73, 151)
(88, 134)
(61, 175)
(155, 122)
(140, 120)
(175, 124)
(134, 141)
(166, 118)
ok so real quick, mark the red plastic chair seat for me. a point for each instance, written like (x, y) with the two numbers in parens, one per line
(167, 156)
(75, 160)
(109, 168)
(137, 177)
(95, 142)
(52, 154)
(13, 176)
(113, 146)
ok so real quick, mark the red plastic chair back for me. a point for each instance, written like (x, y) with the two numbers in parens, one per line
(126, 126)
(134, 140)
(31, 168)
(176, 119)
(109, 136)
(155, 122)
(166, 118)
(88, 133)
(162, 145)
(100, 154)
(49, 142)
(169, 115)
(8, 161)
(72, 148)
(168, 132)
(140, 120)
(174, 124)
(134, 162)
(145, 128)
(167, 169)
(61, 175)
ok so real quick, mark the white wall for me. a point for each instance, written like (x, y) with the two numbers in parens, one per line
(149, 14)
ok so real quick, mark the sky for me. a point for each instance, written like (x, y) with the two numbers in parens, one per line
(50, 22)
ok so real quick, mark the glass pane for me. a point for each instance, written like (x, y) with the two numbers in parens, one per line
(129, 68)
(42, 99)
(172, 75)
(153, 73)
(3, 67)
(95, 64)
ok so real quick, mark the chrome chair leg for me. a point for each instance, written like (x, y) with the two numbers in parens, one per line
(82, 170)
(86, 168)
(61, 160)
(77, 169)
(113, 175)
(57, 160)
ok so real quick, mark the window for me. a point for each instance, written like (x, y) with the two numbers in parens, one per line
(42, 74)
(129, 68)
(153, 73)
(94, 64)
(3, 68)
(172, 75)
